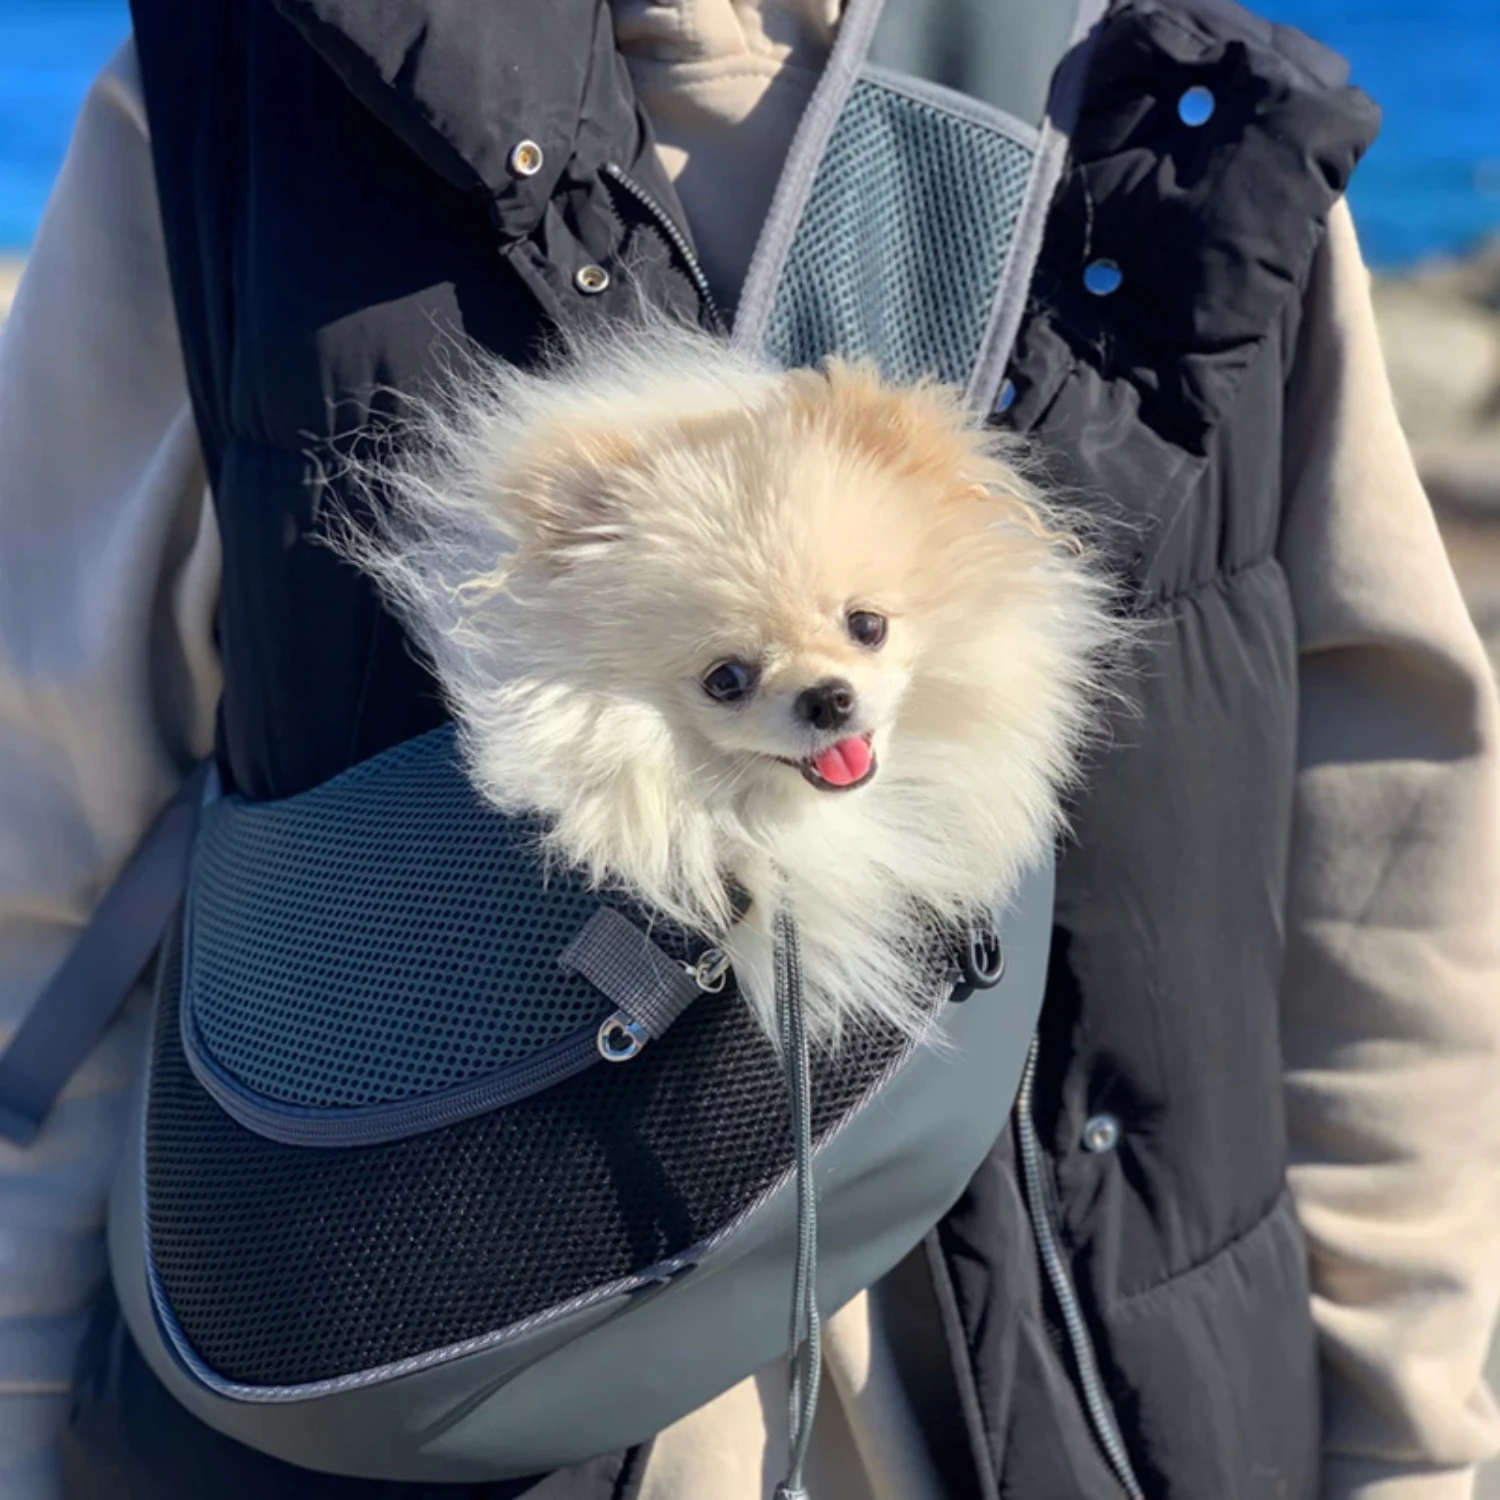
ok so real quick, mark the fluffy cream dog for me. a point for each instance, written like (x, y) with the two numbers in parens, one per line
(803, 632)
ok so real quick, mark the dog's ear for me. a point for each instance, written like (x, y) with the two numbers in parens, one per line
(918, 432)
(563, 494)
(924, 433)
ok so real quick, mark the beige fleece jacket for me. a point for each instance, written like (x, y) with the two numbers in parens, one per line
(1391, 1003)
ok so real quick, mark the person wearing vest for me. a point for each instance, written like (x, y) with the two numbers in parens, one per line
(1243, 1241)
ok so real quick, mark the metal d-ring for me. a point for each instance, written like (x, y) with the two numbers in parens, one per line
(983, 959)
(711, 970)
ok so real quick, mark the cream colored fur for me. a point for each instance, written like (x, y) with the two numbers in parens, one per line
(575, 548)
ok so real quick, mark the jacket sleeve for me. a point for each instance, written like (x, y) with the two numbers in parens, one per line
(108, 580)
(1391, 996)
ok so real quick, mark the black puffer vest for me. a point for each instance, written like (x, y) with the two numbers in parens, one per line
(1123, 1285)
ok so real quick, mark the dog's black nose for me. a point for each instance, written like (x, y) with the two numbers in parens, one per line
(826, 705)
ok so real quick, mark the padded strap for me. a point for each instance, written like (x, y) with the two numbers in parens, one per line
(101, 968)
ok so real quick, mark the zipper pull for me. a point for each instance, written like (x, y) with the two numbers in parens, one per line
(711, 970)
(620, 1038)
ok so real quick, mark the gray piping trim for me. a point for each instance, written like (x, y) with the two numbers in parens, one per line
(285, 1395)
(803, 160)
(281, 1395)
(1026, 242)
(951, 102)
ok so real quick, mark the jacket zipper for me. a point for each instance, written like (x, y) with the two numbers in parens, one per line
(1095, 1399)
(678, 241)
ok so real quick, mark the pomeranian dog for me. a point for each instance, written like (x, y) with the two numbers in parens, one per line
(804, 634)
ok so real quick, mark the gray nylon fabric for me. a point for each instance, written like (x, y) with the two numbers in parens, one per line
(619, 960)
(986, 377)
(903, 240)
(112, 953)
(999, 51)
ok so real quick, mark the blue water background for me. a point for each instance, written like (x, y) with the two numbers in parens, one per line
(1431, 184)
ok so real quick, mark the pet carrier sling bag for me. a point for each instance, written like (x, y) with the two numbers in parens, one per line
(444, 1170)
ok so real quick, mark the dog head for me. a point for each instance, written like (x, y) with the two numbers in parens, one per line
(694, 610)
(766, 576)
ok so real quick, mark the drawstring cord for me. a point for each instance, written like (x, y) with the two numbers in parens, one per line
(805, 1341)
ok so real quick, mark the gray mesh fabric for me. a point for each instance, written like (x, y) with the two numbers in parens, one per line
(381, 937)
(901, 245)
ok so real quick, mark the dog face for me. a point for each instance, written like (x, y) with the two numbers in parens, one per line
(812, 699)
(765, 578)
(800, 684)
(794, 634)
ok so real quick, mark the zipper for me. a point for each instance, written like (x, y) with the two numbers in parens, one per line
(1095, 1400)
(380, 1124)
(677, 239)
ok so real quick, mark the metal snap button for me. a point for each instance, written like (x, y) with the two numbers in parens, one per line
(526, 158)
(591, 279)
(1102, 277)
(1101, 1133)
(1196, 106)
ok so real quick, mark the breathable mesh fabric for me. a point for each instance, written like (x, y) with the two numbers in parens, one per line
(285, 1265)
(899, 250)
(383, 936)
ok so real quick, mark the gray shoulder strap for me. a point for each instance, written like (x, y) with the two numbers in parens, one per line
(1002, 52)
(101, 968)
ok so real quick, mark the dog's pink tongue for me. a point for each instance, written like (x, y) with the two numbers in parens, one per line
(844, 763)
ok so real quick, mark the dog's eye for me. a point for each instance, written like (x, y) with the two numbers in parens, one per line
(866, 628)
(730, 681)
